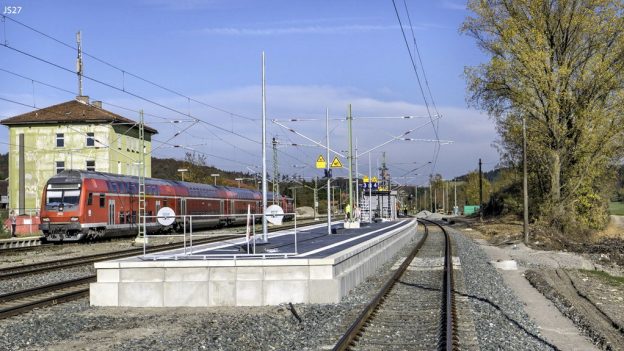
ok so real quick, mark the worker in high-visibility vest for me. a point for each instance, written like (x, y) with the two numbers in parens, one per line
(348, 212)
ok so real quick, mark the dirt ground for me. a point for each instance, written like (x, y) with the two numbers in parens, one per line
(606, 247)
(585, 281)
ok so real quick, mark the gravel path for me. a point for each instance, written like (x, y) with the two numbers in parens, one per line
(499, 320)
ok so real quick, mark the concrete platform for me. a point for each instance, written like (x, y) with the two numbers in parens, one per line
(322, 269)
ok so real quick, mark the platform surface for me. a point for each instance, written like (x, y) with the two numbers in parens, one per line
(324, 268)
(312, 242)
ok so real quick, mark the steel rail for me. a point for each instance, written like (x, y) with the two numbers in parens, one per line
(77, 290)
(355, 330)
(40, 267)
(46, 288)
(447, 334)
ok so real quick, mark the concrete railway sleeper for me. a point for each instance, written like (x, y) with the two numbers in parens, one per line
(415, 309)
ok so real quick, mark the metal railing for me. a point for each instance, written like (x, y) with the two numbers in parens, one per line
(249, 240)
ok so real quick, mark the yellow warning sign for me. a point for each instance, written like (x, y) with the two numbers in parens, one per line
(374, 180)
(336, 163)
(320, 162)
(365, 179)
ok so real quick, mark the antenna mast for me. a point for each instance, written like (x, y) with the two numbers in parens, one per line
(79, 62)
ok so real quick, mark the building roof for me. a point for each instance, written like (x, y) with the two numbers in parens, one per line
(73, 111)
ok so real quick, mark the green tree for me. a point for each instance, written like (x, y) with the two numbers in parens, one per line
(557, 64)
(471, 188)
(196, 165)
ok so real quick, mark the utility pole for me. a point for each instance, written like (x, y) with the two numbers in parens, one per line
(316, 198)
(275, 172)
(370, 190)
(443, 198)
(349, 120)
(328, 172)
(455, 195)
(142, 220)
(79, 62)
(480, 193)
(416, 198)
(264, 165)
(525, 190)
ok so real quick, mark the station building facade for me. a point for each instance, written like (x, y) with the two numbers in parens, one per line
(75, 134)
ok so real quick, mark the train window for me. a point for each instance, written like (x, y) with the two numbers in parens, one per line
(102, 197)
(134, 216)
(90, 139)
(90, 199)
(122, 217)
(60, 140)
(165, 203)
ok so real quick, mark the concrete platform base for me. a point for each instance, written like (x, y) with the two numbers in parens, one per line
(249, 282)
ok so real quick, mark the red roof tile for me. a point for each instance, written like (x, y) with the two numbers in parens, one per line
(71, 112)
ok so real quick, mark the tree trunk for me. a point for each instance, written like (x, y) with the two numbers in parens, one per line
(555, 178)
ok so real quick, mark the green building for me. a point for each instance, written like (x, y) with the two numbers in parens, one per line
(72, 135)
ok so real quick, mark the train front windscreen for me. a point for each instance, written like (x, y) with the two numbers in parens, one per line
(62, 197)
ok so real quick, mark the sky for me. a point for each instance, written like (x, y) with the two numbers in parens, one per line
(205, 58)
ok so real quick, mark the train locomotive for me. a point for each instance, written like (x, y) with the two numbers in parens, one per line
(82, 205)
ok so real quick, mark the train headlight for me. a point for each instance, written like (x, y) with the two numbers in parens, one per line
(74, 219)
(45, 219)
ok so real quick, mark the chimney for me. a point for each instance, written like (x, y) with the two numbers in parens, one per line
(97, 103)
(83, 98)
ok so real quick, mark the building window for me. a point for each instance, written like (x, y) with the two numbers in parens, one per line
(91, 165)
(60, 140)
(60, 166)
(90, 139)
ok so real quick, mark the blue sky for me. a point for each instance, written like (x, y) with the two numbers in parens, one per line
(319, 54)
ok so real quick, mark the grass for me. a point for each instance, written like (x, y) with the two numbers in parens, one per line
(609, 279)
(616, 208)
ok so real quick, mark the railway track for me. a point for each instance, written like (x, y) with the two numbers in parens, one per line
(23, 301)
(41, 267)
(415, 309)
(18, 302)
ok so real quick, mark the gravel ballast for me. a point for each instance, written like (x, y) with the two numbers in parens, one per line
(499, 320)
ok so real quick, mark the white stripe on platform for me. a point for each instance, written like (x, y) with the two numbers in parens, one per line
(348, 240)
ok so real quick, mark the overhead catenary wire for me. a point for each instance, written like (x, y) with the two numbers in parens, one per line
(123, 71)
(124, 91)
(420, 85)
(103, 101)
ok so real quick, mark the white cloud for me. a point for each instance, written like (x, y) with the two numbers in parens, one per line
(451, 5)
(344, 29)
(471, 131)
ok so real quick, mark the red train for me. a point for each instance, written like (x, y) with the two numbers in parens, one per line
(79, 205)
